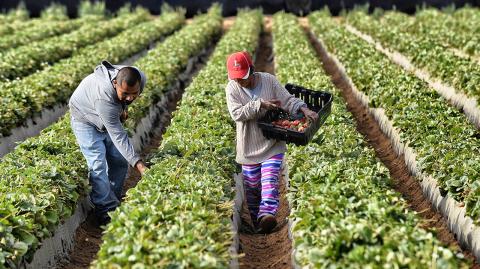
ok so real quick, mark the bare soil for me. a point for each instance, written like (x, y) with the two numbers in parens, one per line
(403, 181)
(271, 250)
(264, 56)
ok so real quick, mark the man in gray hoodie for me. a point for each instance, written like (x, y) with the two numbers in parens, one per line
(98, 107)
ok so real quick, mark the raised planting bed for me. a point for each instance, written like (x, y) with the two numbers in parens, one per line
(345, 213)
(438, 143)
(179, 213)
(30, 101)
(53, 175)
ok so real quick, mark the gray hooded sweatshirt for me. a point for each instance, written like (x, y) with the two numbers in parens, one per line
(95, 102)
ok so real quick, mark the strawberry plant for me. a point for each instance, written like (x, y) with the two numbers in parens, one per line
(87, 8)
(11, 28)
(468, 15)
(446, 29)
(8, 29)
(446, 145)
(170, 59)
(42, 180)
(395, 30)
(26, 59)
(344, 212)
(54, 84)
(178, 215)
(54, 11)
(18, 14)
(42, 30)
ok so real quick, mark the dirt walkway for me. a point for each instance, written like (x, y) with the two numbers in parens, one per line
(266, 250)
(403, 182)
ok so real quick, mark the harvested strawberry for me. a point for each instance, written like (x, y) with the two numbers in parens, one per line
(297, 125)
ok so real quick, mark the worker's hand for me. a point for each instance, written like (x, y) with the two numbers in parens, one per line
(271, 104)
(310, 114)
(124, 116)
(141, 167)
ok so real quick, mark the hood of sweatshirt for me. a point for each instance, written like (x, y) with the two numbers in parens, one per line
(107, 72)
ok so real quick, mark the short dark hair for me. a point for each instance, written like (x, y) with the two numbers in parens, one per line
(130, 75)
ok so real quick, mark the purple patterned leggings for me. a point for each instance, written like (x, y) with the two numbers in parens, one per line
(261, 186)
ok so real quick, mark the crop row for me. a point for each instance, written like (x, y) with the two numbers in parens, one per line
(167, 60)
(469, 16)
(55, 11)
(18, 14)
(26, 59)
(178, 215)
(54, 84)
(18, 26)
(10, 28)
(42, 30)
(15, 23)
(43, 178)
(393, 31)
(344, 210)
(445, 29)
(446, 146)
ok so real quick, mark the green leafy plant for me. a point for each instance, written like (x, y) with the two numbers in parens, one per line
(448, 30)
(26, 59)
(87, 8)
(18, 14)
(178, 214)
(344, 212)
(54, 12)
(13, 27)
(446, 145)
(125, 9)
(42, 179)
(397, 30)
(43, 29)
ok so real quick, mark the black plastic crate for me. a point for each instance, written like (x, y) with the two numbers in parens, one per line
(318, 101)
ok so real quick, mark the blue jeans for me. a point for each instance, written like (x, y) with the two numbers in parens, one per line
(107, 168)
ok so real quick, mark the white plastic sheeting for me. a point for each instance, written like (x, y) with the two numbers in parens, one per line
(457, 99)
(462, 226)
(58, 247)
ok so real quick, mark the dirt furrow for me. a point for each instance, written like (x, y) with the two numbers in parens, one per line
(88, 235)
(271, 250)
(402, 180)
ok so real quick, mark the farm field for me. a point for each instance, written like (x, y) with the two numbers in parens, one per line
(390, 180)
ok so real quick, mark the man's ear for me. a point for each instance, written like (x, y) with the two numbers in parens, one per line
(115, 83)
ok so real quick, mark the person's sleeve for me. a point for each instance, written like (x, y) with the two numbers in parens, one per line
(109, 114)
(240, 112)
(288, 102)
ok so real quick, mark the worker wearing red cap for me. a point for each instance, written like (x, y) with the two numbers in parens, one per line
(249, 95)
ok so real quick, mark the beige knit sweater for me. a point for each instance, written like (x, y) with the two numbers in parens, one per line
(252, 146)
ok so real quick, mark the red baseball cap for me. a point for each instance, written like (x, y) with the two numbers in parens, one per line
(238, 65)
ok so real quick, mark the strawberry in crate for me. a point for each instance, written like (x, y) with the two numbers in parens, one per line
(297, 122)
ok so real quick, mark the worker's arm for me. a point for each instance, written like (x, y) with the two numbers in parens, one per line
(239, 111)
(109, 113)
(290, 103)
